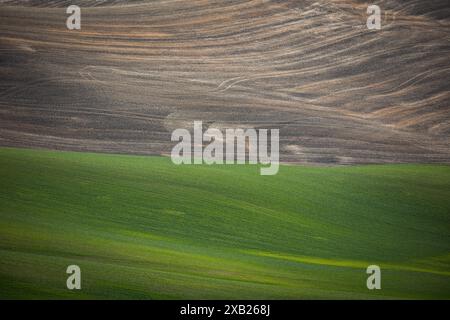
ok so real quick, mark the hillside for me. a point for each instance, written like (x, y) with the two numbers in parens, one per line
(140, 227)
(339, 93)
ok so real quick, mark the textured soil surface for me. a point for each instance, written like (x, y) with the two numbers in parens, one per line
(338, 92)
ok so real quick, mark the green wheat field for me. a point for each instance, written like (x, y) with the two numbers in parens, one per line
(142, 228)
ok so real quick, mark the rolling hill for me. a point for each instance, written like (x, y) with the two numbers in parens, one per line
(140, 227)
(338, 92)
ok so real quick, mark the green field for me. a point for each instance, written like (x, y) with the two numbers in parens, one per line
(143, 228)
